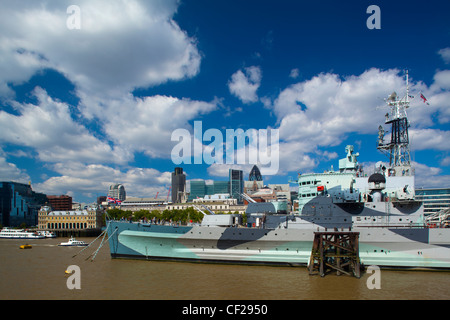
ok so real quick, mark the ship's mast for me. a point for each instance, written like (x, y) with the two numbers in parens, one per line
(398, 148)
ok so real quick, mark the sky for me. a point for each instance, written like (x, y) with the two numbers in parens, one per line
(93, 92)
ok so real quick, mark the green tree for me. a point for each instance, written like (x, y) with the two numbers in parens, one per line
(118, 214)
(141, 214)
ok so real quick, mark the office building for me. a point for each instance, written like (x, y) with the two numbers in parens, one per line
(178, 185)
(236, 181)
(62, 202)
(255, 174)
(198, 189)
(19, 204)
(221, 187)
(117, 191)
(135, 204)
(201, 189)
(434, 200)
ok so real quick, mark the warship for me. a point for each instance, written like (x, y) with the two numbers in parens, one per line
(380, 207)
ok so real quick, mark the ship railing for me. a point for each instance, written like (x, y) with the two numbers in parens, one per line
(394, 226)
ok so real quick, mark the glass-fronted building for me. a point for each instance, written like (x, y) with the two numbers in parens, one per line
(200, 189)
(434, 200)
(19, 204)
(117, 191)
(178, 184)
(236, 178)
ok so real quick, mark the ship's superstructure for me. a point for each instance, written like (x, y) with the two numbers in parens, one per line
(380, 206)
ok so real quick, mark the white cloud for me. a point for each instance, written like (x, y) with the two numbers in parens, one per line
(442, 79)
(323, 111)
(79, 158)
(294, 73)
(429, 139)
(49, 128)
(10, 172)
(121, 44)
(445, 54)
(438, 96)
(445, 162)
(95, 179)
(245, 84)
(429, 177)
(146, 124)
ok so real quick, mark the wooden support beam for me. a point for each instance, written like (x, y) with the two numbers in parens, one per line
(335, 250)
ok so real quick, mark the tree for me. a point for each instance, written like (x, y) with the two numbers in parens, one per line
(118, 214)
(141, 214)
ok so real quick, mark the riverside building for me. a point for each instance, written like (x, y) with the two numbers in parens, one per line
(74, 222)
(434, 200)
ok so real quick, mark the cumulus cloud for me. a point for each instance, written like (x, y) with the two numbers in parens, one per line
(430, 139)
(244, 84)
(294, 73)
(445, 54)
(90, 179)
(10, 172)
(323, 111)
(146, 124)
(429, 177)
(121, 44)
(442, 79)
(49, 128)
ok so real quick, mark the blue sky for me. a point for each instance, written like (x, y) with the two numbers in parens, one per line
(83, 108)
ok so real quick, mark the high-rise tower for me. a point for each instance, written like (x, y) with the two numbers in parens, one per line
(255, 174)
(178, 184)
(236, 180)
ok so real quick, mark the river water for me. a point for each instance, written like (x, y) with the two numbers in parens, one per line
(39, 273)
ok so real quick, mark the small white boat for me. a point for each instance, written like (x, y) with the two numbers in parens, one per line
(46, 234)
(73, 243)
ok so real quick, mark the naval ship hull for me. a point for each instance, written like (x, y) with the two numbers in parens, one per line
(384, 247)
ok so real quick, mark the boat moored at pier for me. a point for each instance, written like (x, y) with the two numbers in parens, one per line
(9, 233)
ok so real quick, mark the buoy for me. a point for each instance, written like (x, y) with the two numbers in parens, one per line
(25, 246)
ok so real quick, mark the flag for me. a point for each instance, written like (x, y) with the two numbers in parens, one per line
(424, 99)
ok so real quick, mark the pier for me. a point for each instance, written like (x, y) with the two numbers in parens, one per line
(338, 251)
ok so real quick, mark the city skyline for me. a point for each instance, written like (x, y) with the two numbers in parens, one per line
(91, 92)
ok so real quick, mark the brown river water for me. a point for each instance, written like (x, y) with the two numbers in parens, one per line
(39, 273)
